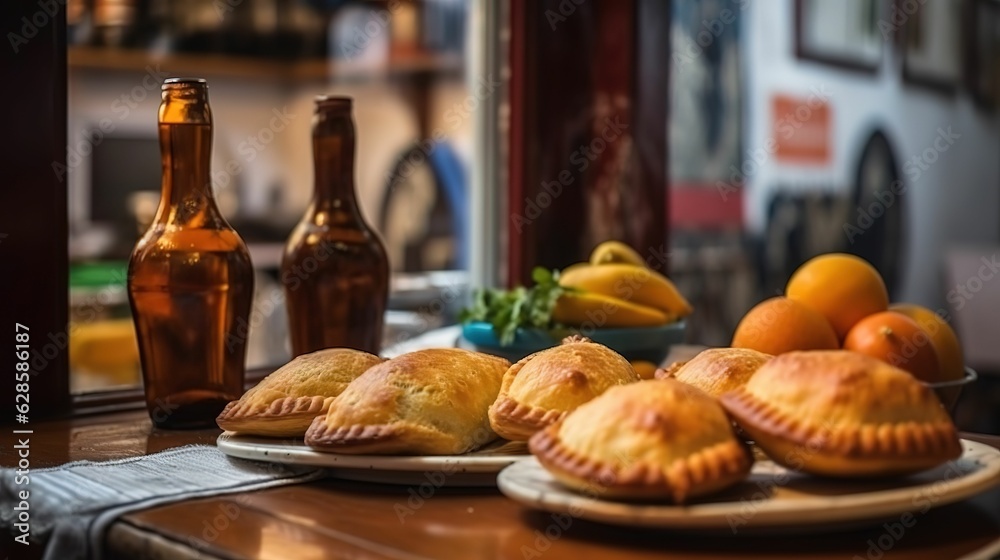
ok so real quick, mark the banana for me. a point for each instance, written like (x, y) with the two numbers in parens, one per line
(611, 252)
(569, 269)
(581, 309)
(635, 284)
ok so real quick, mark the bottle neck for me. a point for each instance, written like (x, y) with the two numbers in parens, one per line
(186, 197)
(333, 158)
(185, 127)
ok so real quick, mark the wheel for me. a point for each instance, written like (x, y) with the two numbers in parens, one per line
(878, 214)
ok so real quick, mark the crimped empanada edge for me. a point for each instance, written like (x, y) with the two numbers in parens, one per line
(239, 412)
(724, 463)
(322, 435)
(399, 437)
(518, 422)
(905, 440)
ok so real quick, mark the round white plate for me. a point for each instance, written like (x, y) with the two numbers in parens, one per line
(478, 468)
(772, 499)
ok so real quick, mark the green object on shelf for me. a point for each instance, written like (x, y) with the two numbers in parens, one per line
(98, 274)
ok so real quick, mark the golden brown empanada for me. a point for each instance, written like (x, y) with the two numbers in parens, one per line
(656, 439)
(717, 370)
(839, 413)
(284, 403)
(428, 402)
(541, 388)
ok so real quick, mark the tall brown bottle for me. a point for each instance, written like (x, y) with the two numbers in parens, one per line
(334, 269)
(190, 279)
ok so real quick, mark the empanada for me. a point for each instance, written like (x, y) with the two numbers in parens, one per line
(541, 388)
(717, 370)
(839, 413)
(652, 440)
(428, 402)
(284, 403)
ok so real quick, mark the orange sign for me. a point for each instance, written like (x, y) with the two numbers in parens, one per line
(801, 130)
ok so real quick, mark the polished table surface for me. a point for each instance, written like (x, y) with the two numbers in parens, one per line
(351, 520)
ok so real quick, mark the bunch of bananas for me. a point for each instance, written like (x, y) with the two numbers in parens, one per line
(616, 289)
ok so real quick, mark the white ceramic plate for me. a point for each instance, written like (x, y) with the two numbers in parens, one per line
(772, 499)
(478, 468)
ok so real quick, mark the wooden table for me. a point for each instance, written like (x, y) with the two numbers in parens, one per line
(351, 520)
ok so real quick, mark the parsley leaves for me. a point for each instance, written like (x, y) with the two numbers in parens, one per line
(507, 310)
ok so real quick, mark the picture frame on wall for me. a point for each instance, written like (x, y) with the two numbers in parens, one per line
(841, 34)
(931, 46)
(983, 58)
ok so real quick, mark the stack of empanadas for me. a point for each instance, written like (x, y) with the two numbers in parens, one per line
(832, 413)
(592, 423)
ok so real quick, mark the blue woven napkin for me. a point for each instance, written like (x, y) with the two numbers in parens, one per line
(72, 505)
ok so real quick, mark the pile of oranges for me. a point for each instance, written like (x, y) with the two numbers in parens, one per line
(840, 301)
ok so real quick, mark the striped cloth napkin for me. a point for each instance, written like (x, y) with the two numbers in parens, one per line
(70, 506)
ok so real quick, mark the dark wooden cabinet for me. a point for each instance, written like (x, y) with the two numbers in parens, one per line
(588, 131)
(33, 218)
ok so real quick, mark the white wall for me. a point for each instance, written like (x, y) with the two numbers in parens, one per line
(954, 202)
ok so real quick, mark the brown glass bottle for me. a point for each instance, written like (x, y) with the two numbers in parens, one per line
(334, 269)
(190, 279)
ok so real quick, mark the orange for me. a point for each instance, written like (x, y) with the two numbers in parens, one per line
(944, 340)
(842, 287)
(896, 339)
(645, 370)
(779, 325)
(951, 362)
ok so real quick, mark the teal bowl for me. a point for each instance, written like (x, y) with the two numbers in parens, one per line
(651, 344)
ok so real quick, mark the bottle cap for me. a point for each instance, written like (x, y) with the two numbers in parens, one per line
(185, 100)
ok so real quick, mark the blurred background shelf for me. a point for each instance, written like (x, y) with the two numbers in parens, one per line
(409, 65)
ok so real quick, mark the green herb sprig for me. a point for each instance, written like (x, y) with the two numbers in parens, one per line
(507, 310)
